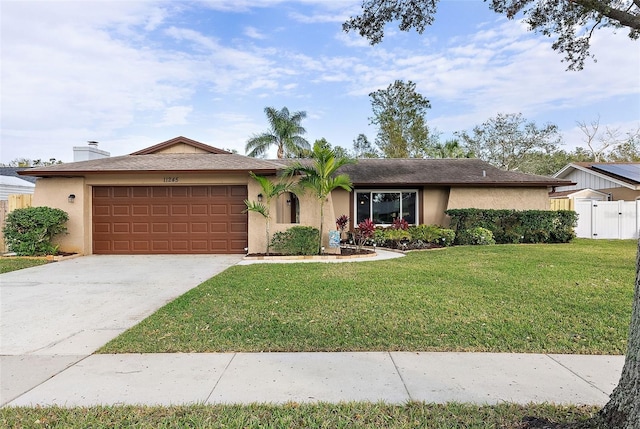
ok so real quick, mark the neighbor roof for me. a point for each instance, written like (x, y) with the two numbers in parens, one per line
(599, 169)
(13, 172)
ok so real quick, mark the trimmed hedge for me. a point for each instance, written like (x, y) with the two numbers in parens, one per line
(513, 226)
(297, 240)
(30, 231)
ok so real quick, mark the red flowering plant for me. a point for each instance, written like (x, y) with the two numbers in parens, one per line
(366, 230)
(400, 223)
(342, 222)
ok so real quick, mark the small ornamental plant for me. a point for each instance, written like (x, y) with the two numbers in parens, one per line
(400, 223)
(366, 230)
(342, 222)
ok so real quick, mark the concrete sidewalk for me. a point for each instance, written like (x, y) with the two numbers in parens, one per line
(395, 377)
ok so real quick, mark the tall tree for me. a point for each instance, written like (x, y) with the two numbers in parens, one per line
(362, 148)
(506, 140)
(609, 144)
(450, 149)
(26, 162)
(571, 22)
(285, 132)
(399, 111)
(623, 409)
(321, 176)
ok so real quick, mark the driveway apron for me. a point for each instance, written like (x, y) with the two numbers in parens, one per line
(54, 315)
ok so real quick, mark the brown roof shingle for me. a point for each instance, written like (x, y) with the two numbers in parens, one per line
(416, 171)
(169, 162)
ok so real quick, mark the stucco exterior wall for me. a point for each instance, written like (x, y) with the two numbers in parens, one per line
(341, 204)
(309, 216)
(54, 192)
(499, 198)
(434, 203)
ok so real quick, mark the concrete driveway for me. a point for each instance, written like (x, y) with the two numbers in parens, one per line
(54, 315)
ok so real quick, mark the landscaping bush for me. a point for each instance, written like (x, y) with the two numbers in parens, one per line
(512, 226)
(476, 236)
(30, 231)
(366, 231)
(298, 240)
(432, 234)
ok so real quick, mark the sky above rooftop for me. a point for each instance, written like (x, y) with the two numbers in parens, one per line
(130, 74)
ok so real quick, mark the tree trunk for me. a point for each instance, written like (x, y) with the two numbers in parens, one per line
(623, 409)
(321, 225)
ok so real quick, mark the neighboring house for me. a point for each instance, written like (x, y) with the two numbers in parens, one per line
(619, 180)
(182, 196)
(11, 183)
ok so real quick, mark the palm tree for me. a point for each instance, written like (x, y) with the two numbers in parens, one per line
(320, 177)
(270, 191)
(450, 149)
(285, 132)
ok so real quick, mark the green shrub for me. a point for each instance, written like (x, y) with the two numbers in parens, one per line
(432, 234)
(298, 240)
(30, 231)
(476, 236)
(512, 226)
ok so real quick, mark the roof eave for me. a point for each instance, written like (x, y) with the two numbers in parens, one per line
(78, 173)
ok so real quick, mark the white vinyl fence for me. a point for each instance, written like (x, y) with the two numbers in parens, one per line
(607, 219)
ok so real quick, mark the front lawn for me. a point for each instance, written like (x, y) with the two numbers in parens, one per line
(293, 415)
(17, 263)
(563, 298)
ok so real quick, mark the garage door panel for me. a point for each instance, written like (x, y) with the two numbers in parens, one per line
(140, 210)
(140, 228)
(121, 245)
(159, 210)
(199, 227)
(121, 228)
(160, 228)
(180, 192)
(179, 210)
(167, 219)
(199, 210)
(159, 192)
(120, 210)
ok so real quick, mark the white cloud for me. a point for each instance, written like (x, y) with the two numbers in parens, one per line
(253, 33)
(175, 115)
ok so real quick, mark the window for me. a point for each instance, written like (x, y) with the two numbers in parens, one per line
(383, 206)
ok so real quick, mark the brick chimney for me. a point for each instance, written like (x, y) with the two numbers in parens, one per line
(87, 153)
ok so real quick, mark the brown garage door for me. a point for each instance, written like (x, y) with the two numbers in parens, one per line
(169, 219)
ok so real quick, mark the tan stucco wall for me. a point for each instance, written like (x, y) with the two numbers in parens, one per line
(499, 198)
(55, 193)
(309, 216)
(434, 203)
(341, 203)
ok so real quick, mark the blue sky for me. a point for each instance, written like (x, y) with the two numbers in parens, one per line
(132, 74)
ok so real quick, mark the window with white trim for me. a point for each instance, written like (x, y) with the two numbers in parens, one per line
(383, 206)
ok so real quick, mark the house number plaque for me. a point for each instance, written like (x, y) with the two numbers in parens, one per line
(170, 179)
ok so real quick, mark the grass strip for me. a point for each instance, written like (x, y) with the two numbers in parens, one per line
(8, 264)
(294, 415)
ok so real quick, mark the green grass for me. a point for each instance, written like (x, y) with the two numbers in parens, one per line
(293, 415)
(573, 298)
(12, 264)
